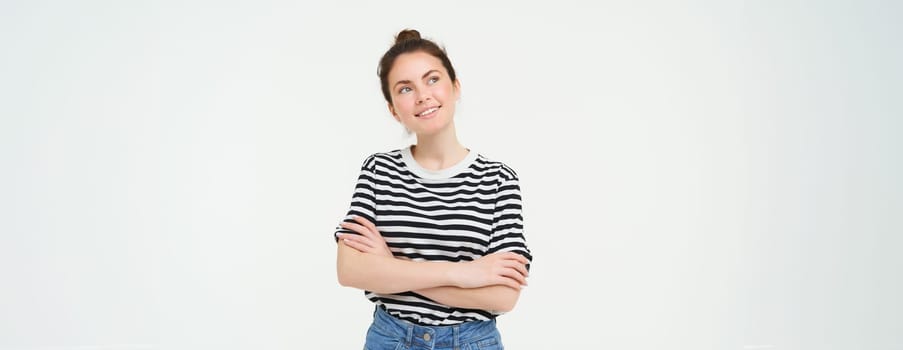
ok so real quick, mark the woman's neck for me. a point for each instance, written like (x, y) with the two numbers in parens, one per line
(440, 150)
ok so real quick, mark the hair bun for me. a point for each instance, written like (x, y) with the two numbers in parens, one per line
(407, 35)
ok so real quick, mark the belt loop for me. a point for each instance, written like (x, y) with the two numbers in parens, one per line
(455, 335)
(409, 337)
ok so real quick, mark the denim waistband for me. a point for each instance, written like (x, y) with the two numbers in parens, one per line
(433, 336)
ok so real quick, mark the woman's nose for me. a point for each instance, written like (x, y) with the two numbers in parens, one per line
(422, 97)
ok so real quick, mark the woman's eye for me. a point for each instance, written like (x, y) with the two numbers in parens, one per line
(404, 90)
(433, 80)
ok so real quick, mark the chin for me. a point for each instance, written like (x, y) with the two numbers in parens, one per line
(430, 130)
(426, 133)
(429, 127)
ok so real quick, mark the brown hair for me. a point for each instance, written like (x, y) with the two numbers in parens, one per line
(408, 41)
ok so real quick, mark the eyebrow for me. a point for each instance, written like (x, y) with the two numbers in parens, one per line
(408, 81)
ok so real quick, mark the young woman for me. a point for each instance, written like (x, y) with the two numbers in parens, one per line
(434, 235)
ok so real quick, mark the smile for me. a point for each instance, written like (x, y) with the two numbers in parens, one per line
(428, 113)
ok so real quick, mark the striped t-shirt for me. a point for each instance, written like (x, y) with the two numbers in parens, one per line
(456, 214)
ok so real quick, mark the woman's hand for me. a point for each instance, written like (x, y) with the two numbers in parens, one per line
(369, 240)
(507, 268)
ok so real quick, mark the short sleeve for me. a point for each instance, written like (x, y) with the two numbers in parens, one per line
(362, 200)
(508, 221)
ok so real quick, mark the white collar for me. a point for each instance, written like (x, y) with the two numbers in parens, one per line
(446, 173)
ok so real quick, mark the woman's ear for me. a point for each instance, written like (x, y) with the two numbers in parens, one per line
(457, 89)
(392, 111)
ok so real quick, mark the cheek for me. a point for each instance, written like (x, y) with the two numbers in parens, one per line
(401, 104)
(446, 92)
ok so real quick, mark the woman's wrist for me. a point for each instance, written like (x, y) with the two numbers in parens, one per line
(452, 273)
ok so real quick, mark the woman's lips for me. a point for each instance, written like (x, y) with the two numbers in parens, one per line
(429, 113)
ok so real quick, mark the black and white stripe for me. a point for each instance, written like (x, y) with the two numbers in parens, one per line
(458, 214)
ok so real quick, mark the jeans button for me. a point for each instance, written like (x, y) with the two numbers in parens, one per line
(426, 336)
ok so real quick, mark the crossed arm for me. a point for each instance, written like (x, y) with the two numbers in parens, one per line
(491, 282)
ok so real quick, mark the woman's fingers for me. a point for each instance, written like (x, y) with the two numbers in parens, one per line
(521, 268)
(521, 263)
(509, 283)
(513, 274)
(357, 228)
(361, 241)
(355, 244)
(369, 236)
(369, 225)
(512, 255)
(501, 269)
(362, 226)
(513, 268)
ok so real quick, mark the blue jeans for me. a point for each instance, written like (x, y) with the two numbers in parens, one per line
(390, 333)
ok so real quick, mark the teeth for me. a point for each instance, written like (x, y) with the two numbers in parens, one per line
(428, 111)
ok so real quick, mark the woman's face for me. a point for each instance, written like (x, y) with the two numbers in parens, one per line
(423, 96)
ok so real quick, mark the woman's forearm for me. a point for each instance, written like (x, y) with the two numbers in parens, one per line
(388, 275)
(494, 298)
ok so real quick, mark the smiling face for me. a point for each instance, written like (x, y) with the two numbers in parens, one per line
(423, 95)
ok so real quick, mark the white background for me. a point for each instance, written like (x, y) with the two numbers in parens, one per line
(696, 175)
